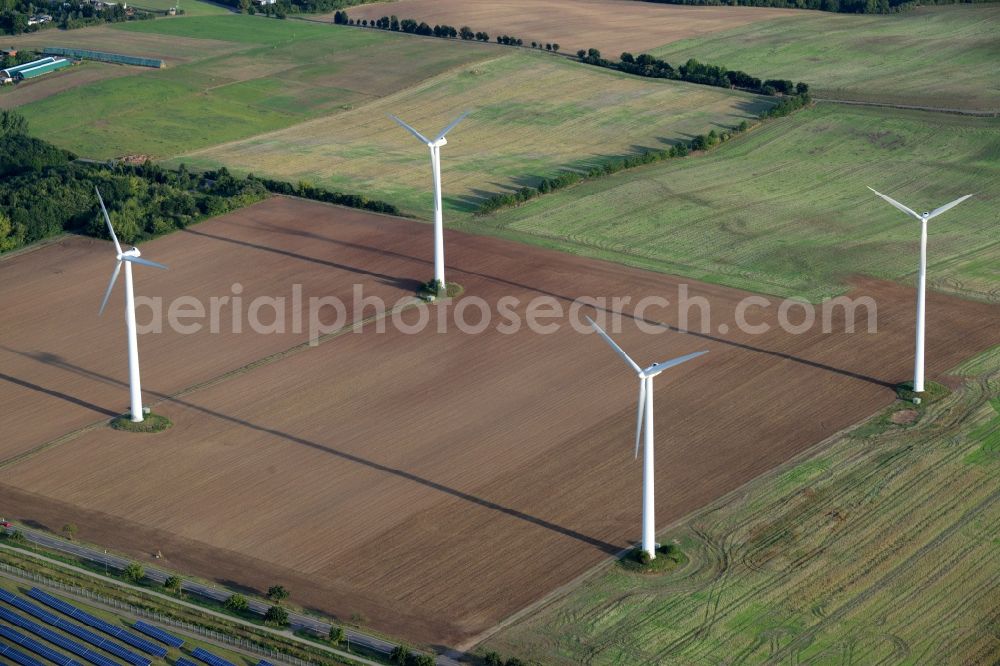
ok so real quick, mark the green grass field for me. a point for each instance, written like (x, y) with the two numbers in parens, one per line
(532, 114)
(938, 56)
(880, 548)
(785, 209)
(190, 7)
(271, 75)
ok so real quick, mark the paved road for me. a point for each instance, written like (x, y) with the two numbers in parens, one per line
(296, 621)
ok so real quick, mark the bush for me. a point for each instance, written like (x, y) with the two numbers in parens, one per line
(277, 616)
(173, 583)
(399, 655)
(277, 593)
(336, 634)
(134, 572)
(237, 603)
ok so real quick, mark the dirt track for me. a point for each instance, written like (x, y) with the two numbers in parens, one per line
(611, 26)
(434, 483)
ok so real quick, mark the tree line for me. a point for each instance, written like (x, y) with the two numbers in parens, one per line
(44, 192)
(785, 105)
(67, 15)
(693, 72)
(395, 24)
(840, 6)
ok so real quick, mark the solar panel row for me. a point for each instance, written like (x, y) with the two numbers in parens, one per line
(56, 639)
(158, 634)
(264, 663)
(99, 624)
(18, 657)
(74, 629)
(40, 649)
(209, 658)
(181, 661)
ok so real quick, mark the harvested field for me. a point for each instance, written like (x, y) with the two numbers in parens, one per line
(611, 26)
(83, 74)
(881, 546)
(533, 115)
(434, 482)
(63, 364)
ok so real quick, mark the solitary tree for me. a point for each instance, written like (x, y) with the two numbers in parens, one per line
(336, 634)
(69, 529)
(237, 603)
(277, 593)
(276, 615)
(134, 572)
(555, 47)
(173, 583)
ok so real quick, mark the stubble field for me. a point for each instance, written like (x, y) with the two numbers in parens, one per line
(435, 483)
(879, 548)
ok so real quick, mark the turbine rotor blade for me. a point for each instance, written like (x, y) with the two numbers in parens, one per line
(449, 127)
(410, 129)
(657, 368)
(947, 206)
(614, 346)
(108, 220)
(639, 415)
(898, 205)
(111, 285)
(144, 262)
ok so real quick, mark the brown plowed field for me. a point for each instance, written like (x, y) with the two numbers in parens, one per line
(611, 26)
(434, 483)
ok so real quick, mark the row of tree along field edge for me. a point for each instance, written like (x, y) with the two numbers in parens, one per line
(787, 104)
(45, 191)
(444, 31)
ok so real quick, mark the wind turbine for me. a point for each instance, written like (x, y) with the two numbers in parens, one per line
(129, 257)
(644, 422)
(435, 148)
(918, 363)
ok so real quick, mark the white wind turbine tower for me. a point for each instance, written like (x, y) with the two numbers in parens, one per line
(128, 258)
(435, 148)
(918, 363)
(644, 423)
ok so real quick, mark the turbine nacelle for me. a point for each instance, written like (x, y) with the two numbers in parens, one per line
(645, 375)
(132, 256)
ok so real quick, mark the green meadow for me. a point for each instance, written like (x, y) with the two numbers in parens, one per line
(785, 210)
(270, 75)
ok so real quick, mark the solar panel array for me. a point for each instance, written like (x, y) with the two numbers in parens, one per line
(158, 634)
(264, 663)
(76, 630)
(181, 661)
(18, 657)
(209, 658)
(40, 649)
(56, 639)
(126, 637)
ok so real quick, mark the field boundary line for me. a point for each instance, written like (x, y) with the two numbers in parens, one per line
(911, 107)
(565, 589)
